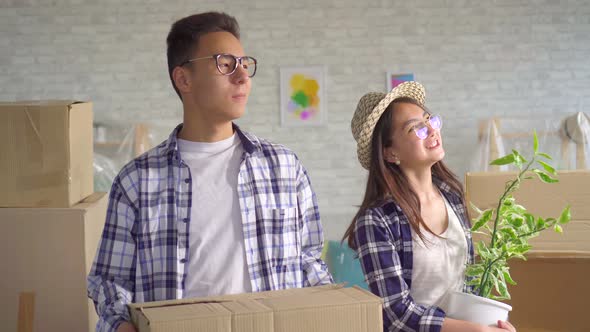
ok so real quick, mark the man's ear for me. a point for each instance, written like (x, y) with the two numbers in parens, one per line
(182, 79)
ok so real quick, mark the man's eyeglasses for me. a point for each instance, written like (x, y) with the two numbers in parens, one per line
(421, 128)
(228, 63)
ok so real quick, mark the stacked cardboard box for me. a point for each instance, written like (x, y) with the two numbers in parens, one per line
(50, 219)
(552, 285)
(49, 251)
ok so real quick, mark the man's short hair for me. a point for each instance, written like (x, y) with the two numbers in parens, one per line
(183, 39)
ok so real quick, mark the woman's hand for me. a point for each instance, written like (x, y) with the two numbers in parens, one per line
(506, 326)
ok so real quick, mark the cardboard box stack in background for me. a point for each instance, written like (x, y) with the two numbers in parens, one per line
(50, 219)
(49, 251)
(329, 308)
(47, 153)
(553, 288)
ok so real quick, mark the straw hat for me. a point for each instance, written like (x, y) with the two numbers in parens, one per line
(370, 108)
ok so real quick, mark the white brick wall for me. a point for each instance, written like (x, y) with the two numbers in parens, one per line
(476, 59)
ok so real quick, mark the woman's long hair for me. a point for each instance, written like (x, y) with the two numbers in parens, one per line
(386, 180)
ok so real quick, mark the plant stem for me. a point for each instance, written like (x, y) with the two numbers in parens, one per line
(486, 274)
(536, 231)
(501, 201)
(494, 233)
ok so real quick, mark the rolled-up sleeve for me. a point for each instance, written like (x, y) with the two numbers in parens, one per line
(111, 279)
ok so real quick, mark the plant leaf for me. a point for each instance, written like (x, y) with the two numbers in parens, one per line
(473, 282)
(518, 158)
(516, 220)
(547, 167)
(482, 250)
(483, 219)
(544, 177)
(565, 216)
(502, 288)
(530, 220)
(558, 228)
(507, 159)
(474, 270)
(541, 223)
(509, 232)
(535, 142)
(507, 277)
(544, 155)
(499, 298)
(475, 208)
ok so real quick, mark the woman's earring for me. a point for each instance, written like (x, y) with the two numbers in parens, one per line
(397, 162)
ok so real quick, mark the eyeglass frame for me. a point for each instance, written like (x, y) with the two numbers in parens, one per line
(426, 123)
(238, 59)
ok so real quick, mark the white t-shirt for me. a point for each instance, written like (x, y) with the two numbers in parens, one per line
(216, 255)
(439, 263)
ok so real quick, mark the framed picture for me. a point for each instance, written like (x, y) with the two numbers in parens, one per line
(303, 96)
(394, 80)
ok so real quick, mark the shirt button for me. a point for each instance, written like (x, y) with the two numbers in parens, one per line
(185, 220)
(183, 260)
(187, 180)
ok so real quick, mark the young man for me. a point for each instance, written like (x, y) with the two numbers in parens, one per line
(212, 210)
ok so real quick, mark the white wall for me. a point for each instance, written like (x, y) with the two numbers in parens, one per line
(476, 59)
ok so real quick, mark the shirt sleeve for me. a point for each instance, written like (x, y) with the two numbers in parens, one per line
(383, 273)
(111, 279)
(315, 269)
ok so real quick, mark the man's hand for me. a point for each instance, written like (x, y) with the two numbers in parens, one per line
(126, 327)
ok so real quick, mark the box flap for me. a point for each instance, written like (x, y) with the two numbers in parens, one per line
(343, 296)
(562, 255)
(234, 297)
(184, 312)
(41, 103)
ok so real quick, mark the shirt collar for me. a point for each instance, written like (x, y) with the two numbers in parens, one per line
(250, 142)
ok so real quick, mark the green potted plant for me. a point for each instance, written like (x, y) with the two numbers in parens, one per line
(507, 229)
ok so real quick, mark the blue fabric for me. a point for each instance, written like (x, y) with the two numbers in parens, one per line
(344, 265)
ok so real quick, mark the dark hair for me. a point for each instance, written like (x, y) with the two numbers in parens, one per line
(386, 180)
(183, 38)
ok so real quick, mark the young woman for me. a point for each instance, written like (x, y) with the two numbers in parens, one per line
(412, 231)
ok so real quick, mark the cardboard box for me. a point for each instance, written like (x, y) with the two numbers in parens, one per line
(541, 199)
(552, 292)
(47, 153)
(326, 308)
(49, 252)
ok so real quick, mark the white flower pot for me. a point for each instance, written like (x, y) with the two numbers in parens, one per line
(473, 308)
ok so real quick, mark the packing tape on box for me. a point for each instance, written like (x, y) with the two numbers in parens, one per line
(33, 148)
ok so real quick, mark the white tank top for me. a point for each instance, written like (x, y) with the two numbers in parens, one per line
(439, 263)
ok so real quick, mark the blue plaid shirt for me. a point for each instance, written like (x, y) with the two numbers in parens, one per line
(144, 245)
(383, 236)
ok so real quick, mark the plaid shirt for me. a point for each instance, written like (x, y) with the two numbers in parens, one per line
(383, 236)
(142, 252)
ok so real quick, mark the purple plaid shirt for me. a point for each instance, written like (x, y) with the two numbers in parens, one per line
(383, 236)
(144, 245)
